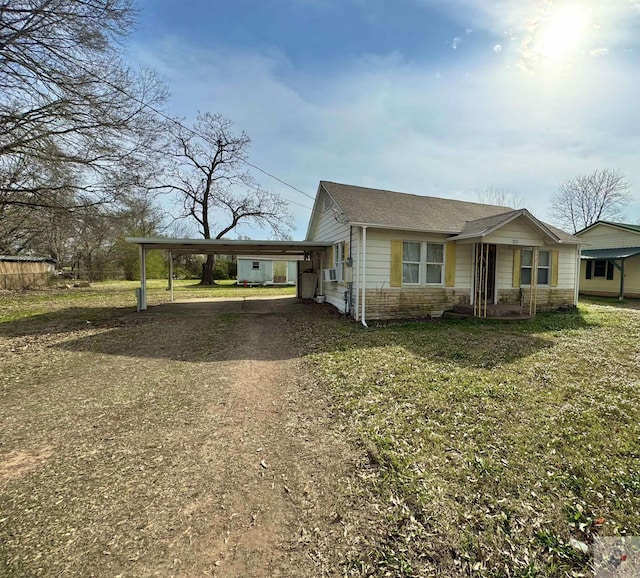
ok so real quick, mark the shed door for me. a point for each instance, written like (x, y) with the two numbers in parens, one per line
(279, 271)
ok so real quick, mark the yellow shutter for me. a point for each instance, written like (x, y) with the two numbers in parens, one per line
(450, 264)
(517, 256)
(396, 264)
(554, 268)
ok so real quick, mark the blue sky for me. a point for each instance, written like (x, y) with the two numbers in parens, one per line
(434, 97)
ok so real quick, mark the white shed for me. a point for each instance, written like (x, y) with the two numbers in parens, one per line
(261, 270)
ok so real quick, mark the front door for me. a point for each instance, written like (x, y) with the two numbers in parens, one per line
(485, 277)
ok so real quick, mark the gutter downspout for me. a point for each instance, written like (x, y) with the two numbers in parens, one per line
(364, 274)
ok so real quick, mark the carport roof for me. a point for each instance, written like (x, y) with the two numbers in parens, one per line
(621, 253)
(229, 247)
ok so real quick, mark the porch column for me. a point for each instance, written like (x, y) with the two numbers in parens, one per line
(621, 296)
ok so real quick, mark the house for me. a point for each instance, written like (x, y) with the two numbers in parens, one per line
(610, 264)
(23, 272)
(267, 270)
(396, 255)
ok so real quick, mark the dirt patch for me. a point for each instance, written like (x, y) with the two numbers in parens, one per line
(17, 464)
(170, 444)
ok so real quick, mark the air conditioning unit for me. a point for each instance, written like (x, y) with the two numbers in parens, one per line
(329, 275)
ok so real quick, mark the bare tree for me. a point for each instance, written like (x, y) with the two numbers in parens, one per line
(500, 197)
(69, 106)
(214, 188)
(585, 199)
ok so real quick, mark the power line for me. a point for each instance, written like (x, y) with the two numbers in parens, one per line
(192, 131)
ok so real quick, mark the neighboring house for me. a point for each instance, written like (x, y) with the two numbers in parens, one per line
(610, 264)
(410, 256)
(261, 270)
(25, 272)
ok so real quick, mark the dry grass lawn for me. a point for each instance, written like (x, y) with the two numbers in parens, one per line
(281, 440)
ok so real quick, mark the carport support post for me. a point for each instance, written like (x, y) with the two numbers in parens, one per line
(171, 276)
(621, 296)
(143, 278)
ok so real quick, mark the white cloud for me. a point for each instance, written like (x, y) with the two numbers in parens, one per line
(497, 48)
(456, 42)
(388, 123)
(545, 27)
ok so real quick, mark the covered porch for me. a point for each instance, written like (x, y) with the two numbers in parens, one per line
(515, 265)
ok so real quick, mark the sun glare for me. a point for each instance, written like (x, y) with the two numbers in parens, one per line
(563, 33)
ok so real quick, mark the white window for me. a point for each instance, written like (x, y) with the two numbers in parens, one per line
(255, 265)
(422, 263)
(435, 261)
(411, 262)
(544, 267)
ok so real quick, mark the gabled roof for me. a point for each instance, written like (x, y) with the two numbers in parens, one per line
(625, 226)
(393, 210)
(486, 226)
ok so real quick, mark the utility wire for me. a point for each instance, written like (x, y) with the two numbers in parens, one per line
(192, 131)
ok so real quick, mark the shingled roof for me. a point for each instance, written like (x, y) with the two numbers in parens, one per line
(394, 210)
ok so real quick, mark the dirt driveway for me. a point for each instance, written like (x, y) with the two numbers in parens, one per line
(187, 440)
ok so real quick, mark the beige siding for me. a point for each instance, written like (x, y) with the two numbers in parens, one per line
(567, 261)
(601, 286)
(566, 265)
(330, 229)
(517, 232)
(379, 253)
(607, 237)
(504, 267)
(464, 266)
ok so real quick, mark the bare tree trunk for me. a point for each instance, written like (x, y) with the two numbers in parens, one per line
(207, 271)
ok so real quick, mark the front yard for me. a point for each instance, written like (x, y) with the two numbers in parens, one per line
(486, 449)
(500, 448)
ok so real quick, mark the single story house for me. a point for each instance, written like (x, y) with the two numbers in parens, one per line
(267, 270)
(397, 255)
(610, 264)
(24, 272)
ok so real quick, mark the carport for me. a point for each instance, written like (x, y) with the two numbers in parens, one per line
(311, 250)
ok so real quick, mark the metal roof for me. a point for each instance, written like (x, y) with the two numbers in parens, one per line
(602, 254)
(229, 247)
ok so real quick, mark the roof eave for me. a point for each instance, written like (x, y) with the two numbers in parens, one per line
(395, 228)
